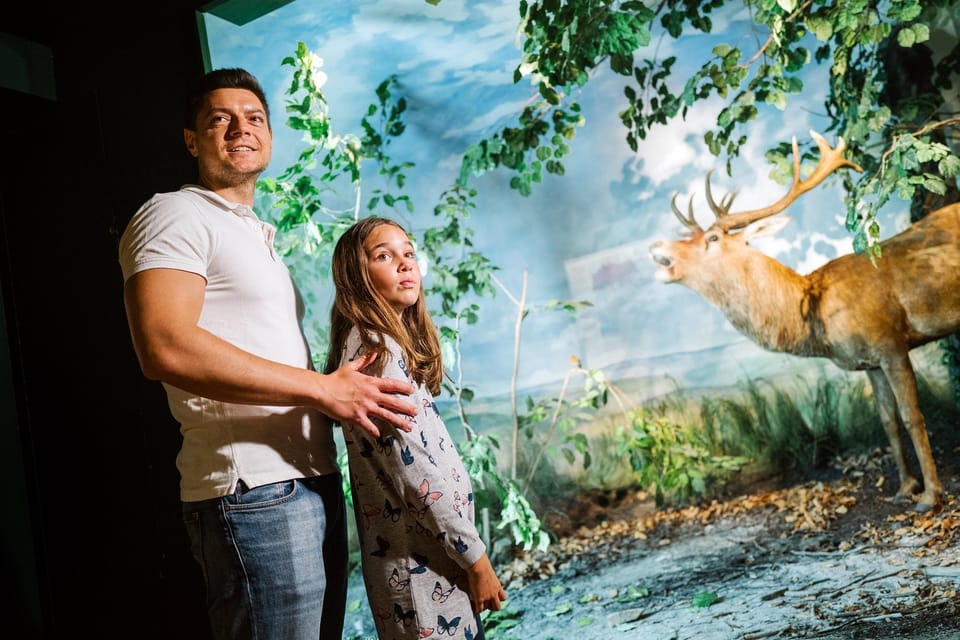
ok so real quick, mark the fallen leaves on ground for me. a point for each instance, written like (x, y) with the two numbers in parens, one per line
(805, 509)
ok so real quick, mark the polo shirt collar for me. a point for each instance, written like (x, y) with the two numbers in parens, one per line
(217, 199)
(238, 209)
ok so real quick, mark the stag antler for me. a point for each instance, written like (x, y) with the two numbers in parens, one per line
(722, 209)
(719, 210)
(830, 161)
(688, 220)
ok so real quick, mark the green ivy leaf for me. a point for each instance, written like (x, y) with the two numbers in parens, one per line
(907, 38)
(949, 166)
(777, 99)
(704, 599)
(921, 32)
(821, 28)
(633, 594)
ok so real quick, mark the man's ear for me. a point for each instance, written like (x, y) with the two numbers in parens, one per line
(190, 139)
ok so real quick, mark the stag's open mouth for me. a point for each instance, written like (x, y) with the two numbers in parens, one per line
(665, 272)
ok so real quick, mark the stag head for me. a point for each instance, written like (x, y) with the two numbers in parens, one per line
(725, 245)
(711, 253)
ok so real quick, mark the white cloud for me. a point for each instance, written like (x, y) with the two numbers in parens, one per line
(485, 121)
(815, 259)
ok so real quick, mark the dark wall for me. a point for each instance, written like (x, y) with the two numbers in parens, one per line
(94, 540)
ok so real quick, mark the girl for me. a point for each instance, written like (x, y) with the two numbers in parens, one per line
(425, 567)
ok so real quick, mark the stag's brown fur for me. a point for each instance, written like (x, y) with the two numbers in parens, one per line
(859, 315)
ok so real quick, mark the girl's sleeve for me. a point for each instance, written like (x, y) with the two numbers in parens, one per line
(433, 485)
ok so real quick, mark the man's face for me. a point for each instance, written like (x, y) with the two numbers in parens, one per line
(232, 141)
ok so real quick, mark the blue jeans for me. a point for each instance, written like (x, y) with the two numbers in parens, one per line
(274, 559)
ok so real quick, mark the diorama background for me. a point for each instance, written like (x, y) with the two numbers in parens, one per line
(582, 236)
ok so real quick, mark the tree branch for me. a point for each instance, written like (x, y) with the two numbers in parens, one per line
(773, 36)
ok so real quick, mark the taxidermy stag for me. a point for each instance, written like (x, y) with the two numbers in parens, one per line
(860, 315)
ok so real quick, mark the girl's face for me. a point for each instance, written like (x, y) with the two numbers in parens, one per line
(393, 266)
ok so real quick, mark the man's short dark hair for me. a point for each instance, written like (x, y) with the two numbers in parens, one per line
(233, 78)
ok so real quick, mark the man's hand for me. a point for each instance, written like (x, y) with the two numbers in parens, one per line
(359, 398)
(486, 591)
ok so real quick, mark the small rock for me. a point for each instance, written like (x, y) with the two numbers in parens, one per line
(625, 616)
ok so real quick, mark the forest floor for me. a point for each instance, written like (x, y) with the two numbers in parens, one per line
(829, 557)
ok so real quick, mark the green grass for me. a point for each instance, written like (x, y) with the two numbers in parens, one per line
(791, 425)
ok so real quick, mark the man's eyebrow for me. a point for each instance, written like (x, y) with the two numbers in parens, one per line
(213, 108)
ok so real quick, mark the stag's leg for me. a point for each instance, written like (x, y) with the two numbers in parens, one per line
(903, 381)
(890, 418)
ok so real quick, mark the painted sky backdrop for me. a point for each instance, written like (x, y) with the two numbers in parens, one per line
(583, 236)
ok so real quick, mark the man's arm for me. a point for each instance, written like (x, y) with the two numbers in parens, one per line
(163, 307)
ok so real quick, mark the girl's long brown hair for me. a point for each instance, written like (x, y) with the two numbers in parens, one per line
(358, 303)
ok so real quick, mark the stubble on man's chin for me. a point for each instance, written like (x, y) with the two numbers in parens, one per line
(229, 179)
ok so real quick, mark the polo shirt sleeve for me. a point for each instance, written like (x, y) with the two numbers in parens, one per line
(168, 232)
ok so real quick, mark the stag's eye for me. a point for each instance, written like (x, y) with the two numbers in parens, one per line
(713, 237)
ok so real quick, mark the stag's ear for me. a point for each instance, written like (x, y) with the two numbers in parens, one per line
(764, 227)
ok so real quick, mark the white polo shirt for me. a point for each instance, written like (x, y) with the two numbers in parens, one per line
(251, 302)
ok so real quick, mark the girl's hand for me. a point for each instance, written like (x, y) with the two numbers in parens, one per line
(485, 589)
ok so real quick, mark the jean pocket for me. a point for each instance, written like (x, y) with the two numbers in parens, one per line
(262, 496)
(191, 519)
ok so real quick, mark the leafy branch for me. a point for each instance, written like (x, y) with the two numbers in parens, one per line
(595, 394)
(869, 46)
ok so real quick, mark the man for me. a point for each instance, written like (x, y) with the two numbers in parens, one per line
(215, 317)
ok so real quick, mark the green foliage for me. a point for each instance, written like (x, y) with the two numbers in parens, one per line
(674, 461)
(328, 158)
(458, 275)
(562, 416)
(514, 511)
(911, 166)
(861, 45)
(519, 148)
(467, 271)
(608, 470)
(780, 428)
(301, 201)
(497, 622)
(343, 466)
(633, 594)
(704, 599)
(564, 41)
